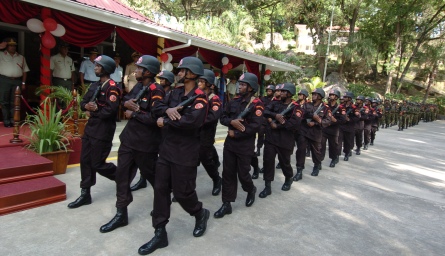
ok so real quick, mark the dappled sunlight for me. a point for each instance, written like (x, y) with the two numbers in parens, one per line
(387, 214)
(418, 141)
(347, 195)
(348, 217)
(436, 174)
(437, 184)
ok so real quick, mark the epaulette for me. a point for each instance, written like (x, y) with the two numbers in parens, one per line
(112, 83)
(215, 97)
(199, 91)
(275, 99)
(153, 86)
(237, 97)
(256, 100)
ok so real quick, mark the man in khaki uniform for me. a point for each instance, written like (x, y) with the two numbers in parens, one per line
(62, 68)
(130, 77)
(13, 70)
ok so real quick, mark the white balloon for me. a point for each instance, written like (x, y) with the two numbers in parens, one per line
(35, 25)
(225, 60)
(168, 66)
(170, 57)
(59, 31)
(267, 77)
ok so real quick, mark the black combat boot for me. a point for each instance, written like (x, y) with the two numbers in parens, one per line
(258, 152)
(333, 162)
(226, 208)
(217, 186)
(299, 175)
(159, 241)
(84, 199)
(315, 170)
(251, 197)
(337, 159)
(357, 152)
(142, 183)
(262, 170)
(119, 220)
(287, 184)
(201, 222)
(365, 147)
(372, 143)
(308, 153)
(346, 157)
(278, 166)
(256, 171)
(266, 191)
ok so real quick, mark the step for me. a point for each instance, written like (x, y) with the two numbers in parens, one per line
(22, 195)
(18, 163)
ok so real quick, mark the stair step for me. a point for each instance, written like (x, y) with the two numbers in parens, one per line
(26, 194)
(20, 164)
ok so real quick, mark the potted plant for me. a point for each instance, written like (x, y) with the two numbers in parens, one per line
(48, 135)
(64, 95)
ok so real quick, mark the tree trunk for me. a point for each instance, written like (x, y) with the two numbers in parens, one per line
(405, 70)
(430, 81)
(376, 66)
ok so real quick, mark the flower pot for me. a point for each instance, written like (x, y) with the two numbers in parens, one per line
(69, 124)
(60, 160)
(76, 147)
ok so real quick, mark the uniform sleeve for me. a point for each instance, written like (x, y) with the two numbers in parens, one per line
(87, 97)
(269, 111)
(147, 117)
(225, 116)
(25, 65)
(111, 105)
(132, 94)
(215, 110)
(253, 123)
(325, 120)
(82, 67)
(193, 117)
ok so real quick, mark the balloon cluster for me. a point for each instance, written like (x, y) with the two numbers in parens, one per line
(50, 27)
(166, 59)
(267, 74)
(226, 65)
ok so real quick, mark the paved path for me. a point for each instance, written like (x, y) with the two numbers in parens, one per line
(388, 201)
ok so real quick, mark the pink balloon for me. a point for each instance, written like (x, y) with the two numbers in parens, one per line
(164, 57)
(230, 65)
(50, 24)
(48, 40)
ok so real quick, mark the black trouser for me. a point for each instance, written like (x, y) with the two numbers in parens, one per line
(270, 151)
(261, 137)
(235, 166)
(367, 134)
(358, 138)
(128, 162)
(182, 181)
(66, 83)
(7, 89)
(348, 141)
(373, 131)
(333, 146)
(302, 144)
(207, 158)
(92, 159)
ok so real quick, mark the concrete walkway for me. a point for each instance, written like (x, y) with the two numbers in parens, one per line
(388, 201)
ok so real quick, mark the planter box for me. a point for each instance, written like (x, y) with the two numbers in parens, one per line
(76, 147)
(60, 160)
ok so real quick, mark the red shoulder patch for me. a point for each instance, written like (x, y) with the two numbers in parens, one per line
(256, 100)
(112, 83)
(215, 97)
(199, 91)
(153, 86)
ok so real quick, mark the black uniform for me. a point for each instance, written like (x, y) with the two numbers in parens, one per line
(332, 132)
(207, 138)
(359, 128)
(238, 151)
(262, 132)
(99, 131)
(347, 130)
(375, 124)
(280, 141)
(140, 141)
(176, 168)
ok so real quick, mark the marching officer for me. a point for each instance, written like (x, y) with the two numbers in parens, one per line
(270, 89)
(377, 113)
(368, 122)
(360, 125)
(347, 129)
(140, 138)
(176, 169)
(283, 119)
(331, 132)
(101, 104)
(243, 116)
(208, 131)
(303, 94)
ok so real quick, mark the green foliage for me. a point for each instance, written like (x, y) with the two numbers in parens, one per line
(361, 89)
(312, 83)
(395, 96)
(47, 129)
(283, 77)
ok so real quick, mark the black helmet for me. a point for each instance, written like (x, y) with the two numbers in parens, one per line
(250, 79)
(193, 64)
(319, 91)
(150, 63)
(375, 101)
(169, 76)
(335, 92)
(209, 76)
(368, 98)
(360, 97)
(349, 95)
(289, 87)
(270, 87)
(304, 92)
(107, 64)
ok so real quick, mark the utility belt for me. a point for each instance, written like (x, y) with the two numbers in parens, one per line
(12, 78)
(64, 79)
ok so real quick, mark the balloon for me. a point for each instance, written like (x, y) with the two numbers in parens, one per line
(48, 40)
(230, 65)
(168, 66)
(50, 24)
(59, 31)
(267, 72)
(267, 77)
(225, 69)
(35, 25)
(216, 74)
(225, 60)
(170, 57)
(164, 57)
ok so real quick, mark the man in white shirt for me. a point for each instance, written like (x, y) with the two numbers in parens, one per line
(62, 68)
(87, 75)
(13, 70)
(130, 77)
(231, 88)
(118, 73)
